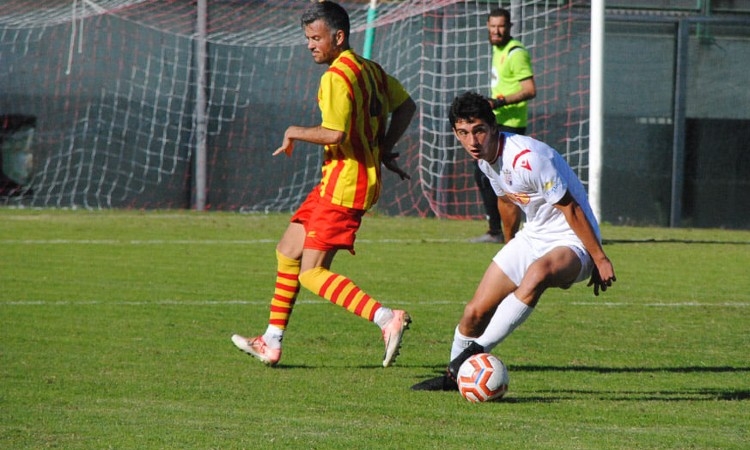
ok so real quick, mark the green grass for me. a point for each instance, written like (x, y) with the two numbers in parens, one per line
(114, 333)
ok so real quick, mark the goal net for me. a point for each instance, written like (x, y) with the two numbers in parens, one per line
(98, 99)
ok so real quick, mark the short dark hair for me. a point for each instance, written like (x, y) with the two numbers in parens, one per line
(468, 106)
(333, 14)
(500, 12)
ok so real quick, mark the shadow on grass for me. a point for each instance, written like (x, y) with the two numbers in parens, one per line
(687, 369)
(439, 369)
(558, 395)
(691, 395)
(708, 394)
(670, 241)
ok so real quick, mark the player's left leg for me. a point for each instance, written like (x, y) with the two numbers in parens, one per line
(342, 291)
(331, 228)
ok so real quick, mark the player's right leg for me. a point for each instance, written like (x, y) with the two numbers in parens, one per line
(258, 347)
(267, 347)
(492, 289)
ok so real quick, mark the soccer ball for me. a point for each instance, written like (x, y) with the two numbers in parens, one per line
(482, 378)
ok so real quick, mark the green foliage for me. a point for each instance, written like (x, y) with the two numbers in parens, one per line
(114, 333)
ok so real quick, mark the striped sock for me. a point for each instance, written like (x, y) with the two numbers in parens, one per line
(285, 293)
(341, 291)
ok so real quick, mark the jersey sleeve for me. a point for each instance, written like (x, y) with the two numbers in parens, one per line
(396, 94)
(334, 102)
(487, 169)
(496, 187)
(548, 181)
(520, 62)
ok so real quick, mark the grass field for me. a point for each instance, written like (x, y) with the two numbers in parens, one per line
(114, 333)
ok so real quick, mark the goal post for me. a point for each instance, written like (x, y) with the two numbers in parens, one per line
(596, 111)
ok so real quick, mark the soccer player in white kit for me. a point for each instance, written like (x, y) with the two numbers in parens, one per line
(559, 244)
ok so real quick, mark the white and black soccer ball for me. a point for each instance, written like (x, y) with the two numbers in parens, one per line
(482, 378)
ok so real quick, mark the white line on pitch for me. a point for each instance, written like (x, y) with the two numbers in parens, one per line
(661, 305)
(133, 242)
(199, 241)
(323, 302)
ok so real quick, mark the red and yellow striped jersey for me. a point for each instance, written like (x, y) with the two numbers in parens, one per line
(355, 96)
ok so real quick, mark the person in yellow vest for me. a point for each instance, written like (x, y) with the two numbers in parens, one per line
(356, 97)
(512, 86)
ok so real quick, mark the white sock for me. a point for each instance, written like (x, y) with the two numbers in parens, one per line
(511, 313)
(460, 342)
(382, 316)
(273, 336)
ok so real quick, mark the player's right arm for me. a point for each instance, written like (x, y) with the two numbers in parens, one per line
(314, 135)
(510, 214)
(336, 112)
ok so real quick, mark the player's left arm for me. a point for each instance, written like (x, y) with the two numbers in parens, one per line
(520, 65)
(527, 92)
(604, 273)
(397, 126)
(399, 122)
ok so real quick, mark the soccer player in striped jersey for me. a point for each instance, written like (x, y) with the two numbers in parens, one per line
(356, 97)
(559, 244)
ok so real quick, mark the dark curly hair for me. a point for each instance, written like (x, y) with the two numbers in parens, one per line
(470, 105)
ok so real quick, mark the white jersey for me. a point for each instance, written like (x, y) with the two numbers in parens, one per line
(535, 177)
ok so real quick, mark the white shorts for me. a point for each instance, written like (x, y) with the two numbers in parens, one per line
(517, 255)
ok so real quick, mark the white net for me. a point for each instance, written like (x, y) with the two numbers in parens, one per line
(111, 86)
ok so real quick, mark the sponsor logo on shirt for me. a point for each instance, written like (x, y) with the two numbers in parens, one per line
(521, 198)
(550, 186)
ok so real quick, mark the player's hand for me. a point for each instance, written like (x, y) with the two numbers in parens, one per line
(389, 161)
(496, 102)
(602, 282)
(287, 146)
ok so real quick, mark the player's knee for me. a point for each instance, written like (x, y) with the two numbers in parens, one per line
(541, 275)
(311, 279)
(476, 316)
(538, 279)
